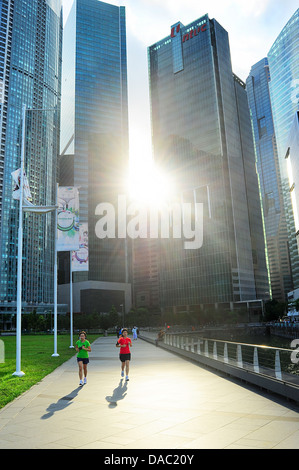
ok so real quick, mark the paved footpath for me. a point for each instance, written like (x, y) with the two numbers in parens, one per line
(169, 403)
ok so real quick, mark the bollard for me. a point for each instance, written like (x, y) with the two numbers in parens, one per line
(225, 354)
(256, 366)
(215, 350)
(239, 356)
(277, 366)
(206, 349)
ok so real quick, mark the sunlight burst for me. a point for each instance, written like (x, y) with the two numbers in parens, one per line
(148, 185)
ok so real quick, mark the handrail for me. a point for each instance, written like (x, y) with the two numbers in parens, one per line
(271, 366)
(260, 366)
(244, 344)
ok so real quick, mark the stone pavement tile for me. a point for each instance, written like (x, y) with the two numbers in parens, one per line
(119, 440)
(57, 447)
(11, 443)
(248, 422)
(144, 430)
(3, 422)
(268, 408)
(246, 443)
(10, 412)
(206, 423)
(103, 445)
(179, 416)
(275, 432)
(78, 438)
(290, 442)
(160, 441)
(180, 432)
(219, 439)
(250, 444)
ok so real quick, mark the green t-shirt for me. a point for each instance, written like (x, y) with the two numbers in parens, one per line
(82, 353)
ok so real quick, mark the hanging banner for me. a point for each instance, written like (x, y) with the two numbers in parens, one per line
(80, 257)
(68, 219)
(16, 189)
(27, 205)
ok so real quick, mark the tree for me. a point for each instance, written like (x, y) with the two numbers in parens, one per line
(232, 316)
(113, 316)
(104, 321)
(36, 322)
(274, 309)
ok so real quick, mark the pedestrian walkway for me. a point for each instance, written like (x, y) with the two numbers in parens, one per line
(169, 403)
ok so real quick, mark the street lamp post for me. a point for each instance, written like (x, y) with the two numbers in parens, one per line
(18, 371)
(55, 354)
(31, 208)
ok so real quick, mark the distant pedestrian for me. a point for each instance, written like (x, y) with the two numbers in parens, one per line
(124, 343)
(134, 331)
(83, 348)
(160, 336)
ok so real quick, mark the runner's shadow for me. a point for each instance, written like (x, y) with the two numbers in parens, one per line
(62, 403)
(119, 393)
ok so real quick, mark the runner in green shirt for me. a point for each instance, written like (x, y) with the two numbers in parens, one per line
(82, 348)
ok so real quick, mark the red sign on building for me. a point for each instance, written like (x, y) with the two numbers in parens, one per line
(191, 34)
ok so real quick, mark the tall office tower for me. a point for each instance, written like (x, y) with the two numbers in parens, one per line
(292, 158)
(94, 129)
(257, 86)
(30, 74)
(202, 135)
(283, 60)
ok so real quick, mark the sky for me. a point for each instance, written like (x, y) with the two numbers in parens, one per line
(252, 26)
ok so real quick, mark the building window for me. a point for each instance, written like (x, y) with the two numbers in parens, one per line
(262, 126)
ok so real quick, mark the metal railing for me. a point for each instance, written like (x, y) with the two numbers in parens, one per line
(279, 363)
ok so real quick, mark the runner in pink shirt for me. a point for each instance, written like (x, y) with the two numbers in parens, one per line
(124, 343)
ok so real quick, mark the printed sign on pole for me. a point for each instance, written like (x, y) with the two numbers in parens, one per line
(80, 257)
(68, 219)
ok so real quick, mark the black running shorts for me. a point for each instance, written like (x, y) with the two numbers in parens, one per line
(125, 357)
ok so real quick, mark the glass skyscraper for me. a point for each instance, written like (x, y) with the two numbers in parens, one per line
(292, 157)
(202, 135)
(257, 86)
(95, 131)
(283, 60)
(30, 75)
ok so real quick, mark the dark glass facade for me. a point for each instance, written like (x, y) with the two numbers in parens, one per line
(202, 135)
(257, 85)
(95, 129)
(30, 71)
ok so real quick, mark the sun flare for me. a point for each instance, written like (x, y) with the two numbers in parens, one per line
(148, 185)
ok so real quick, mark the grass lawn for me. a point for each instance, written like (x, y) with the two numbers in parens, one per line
(36, 362)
